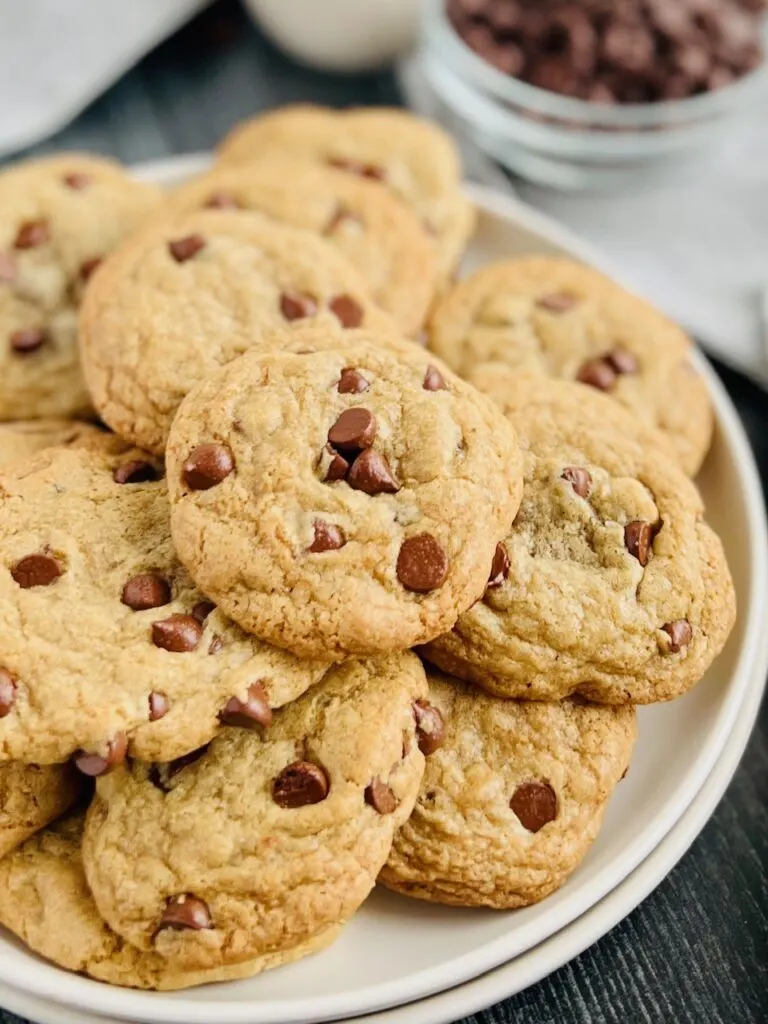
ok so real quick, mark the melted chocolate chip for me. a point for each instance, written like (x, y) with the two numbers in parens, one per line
(159, 706)
(95, 765)
(77, 181)
(351, 382)
(202, 610)
(28, 339)
(579, 479)
(680, 634)
(434, 380)
(371, 473)
(622, 361)
(36, 571)
(300, 784)
(221, 201)
(380, 797)
(354, 430)
(147, 590)
(186, 913)
(7, 692)
(207, 465)
(338, 467)
(638, 539)
(137, 471)
(347, 311)
(535, 804)
(597, 373)
(297, 305)
(499, 567)
(430, 726)
(248, 713)
(31, 234)
(183, 249)
(422, 564)
(327, 537)
(87, 267)
(216, 644)
(178, 633)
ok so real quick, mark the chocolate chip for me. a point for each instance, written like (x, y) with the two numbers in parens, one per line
(216, 644)
(36, 571)
(422, 563)
(95, 765)
(327, 537)
(358, 167)
(88, 266)
(177, 633)
(137, 471)
(207, 465)
(77, 181)
(434, 380)
(28, 339)
(380, 797)
(597, 373)
(7, 692)
(159, 706)
(8, 270)
(186, 913)
(371, 473)
(300, 784)
(297, 305)
(638, 539)
(348, 312)
(248, 713)
(580, 479)
(680, 634)
(499, 567)
(430, 726)
(341, 215)
(147, 590)
(535, 804)
(622, 361)
(338, 466)
(221, 201)
(354, 430)
(556, 302)
(351, 382)
(31, 234)
(186, 248)
(202, 610)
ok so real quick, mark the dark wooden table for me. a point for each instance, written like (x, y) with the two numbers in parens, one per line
(696, 950)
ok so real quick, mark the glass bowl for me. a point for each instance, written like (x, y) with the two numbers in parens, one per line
(571, 143)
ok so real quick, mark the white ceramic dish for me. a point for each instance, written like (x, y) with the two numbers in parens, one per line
(545, 958)
(398, 951)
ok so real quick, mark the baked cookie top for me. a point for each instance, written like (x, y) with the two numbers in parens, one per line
(22, 439)
(610, 584)
(541, 314)
(266, 840)
(380, 236)
(511, 801)
(45, 900)
(186, 296)
(59, 216)
(106, 647)
(31, 796)
(341, 498)
(415, 159)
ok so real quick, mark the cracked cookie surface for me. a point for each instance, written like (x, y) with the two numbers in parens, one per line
(413, 158)
(555, 317)
(32, 796)
(610, 583)
(341, 497)
(512, 799)
(268, 839)
(187, 296)
(106, 646)
(59, 216)
(43, 884)
(376, 233)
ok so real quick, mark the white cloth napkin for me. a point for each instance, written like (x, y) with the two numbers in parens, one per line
(698, 249)
(58, 55)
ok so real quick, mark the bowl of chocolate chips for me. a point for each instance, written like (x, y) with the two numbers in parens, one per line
(599, 94)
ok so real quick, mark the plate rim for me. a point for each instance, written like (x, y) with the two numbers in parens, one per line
(56, 984)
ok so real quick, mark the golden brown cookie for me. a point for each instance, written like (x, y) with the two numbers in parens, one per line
(59, 217)
(188, 295)
(21, 439)
(380, 236)
(32, 796)
(415, 159)
(546, 315)
(512, 798)
(343, 497)
(609, 584)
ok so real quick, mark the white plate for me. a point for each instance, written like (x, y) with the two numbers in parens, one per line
(397, 951)
(545, 958)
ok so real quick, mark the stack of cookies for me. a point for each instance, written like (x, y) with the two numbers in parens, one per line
(320, 607)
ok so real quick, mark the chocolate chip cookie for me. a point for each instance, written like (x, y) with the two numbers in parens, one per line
(22, 439)
(31, 796)
(106, 647)
(609, 584)
(341, 498)
(188, 295)
(415, 159)
(540, 314)
(45, 900)
(59, 216)
(377, 234)
(512, 799)
(267, 840)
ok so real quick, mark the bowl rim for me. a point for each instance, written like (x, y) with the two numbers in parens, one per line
(439, 34)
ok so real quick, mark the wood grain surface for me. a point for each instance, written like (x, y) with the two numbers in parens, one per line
(696, 951)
